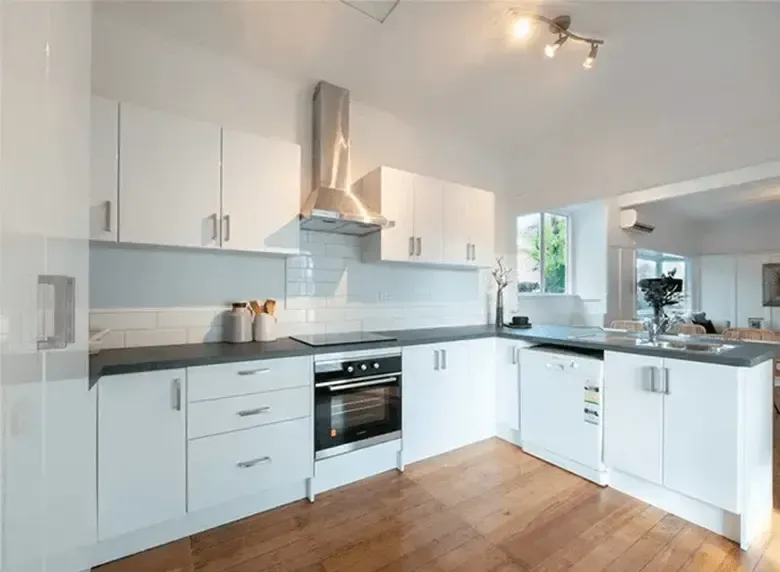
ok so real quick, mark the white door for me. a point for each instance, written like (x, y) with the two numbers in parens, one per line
(633, 415)
(423, 388)
(168, 179)
(428, 219)
(397, 192)
(701, 430)
(457, 224)
(140, 426)
(507, 384)
(104, 164)
(483, 227)
(48, 442)
(261, 193)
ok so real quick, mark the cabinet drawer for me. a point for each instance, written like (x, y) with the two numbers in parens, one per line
(232, 465)
(231, 379)
(245, 411)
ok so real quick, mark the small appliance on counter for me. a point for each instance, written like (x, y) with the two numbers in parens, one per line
(238, 324)
(519, 323)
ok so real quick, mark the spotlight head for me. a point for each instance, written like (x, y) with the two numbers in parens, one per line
(551, 49)
(590, 60)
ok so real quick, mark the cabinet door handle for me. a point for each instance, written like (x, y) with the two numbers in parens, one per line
(215, 227)
(254, 371)
(468, 251)
(107, 226)
(258, 411)
(514, 355)
(419, 246)
(665, 378)
(253, 462)
(473, 251)
(226, 231)
(444, 359)
(558, 366)
(435, 360)
(653, 372)
(176, 394)
(411, 246)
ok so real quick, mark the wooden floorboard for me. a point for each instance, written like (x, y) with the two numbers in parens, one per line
(488, 507)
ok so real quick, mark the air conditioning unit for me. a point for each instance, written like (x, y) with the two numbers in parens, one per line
(629, 220)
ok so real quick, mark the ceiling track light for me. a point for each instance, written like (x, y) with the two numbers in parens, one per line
(560, 27)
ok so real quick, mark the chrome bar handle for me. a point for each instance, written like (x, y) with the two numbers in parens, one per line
(444, 359)
(468, 251)
(226, 228)
(653, 371)
(215, 227)
(254, 371)
(107, 226)
(666, 381)
(419, 246)
(253, 462)
(558, 366)
(411, 246)
(258, 411)
(473, 251)
(176, 386)
(436, 365)
(514, 355)
(362, 384)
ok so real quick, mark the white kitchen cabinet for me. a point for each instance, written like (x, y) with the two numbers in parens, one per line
(104, 164)
(449, 397)
(633, 415)
(428, 219)
(701, 451)
(435, 222)
(141, 451)
(507, 385)
(261, 193)
(169, 181)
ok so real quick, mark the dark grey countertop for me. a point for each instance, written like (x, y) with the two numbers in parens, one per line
(135, 360)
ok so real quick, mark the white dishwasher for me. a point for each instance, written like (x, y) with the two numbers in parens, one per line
(561, 408)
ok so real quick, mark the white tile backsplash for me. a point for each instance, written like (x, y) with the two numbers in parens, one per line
(328, 290)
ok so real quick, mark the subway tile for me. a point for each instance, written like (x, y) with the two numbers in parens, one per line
(328, 263)
(205, 335)
(193, 317)
(299, 274)
(300, 262)
(345, 326)
(123, 320)
(113, 340)
(326, 276)
(140, 338)
(324, 315)
(291, 315)
(342, 251)
(306, 302)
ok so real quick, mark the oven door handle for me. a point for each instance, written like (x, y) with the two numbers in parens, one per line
(363, 384)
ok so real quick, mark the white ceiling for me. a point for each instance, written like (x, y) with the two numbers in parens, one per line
(743, 201)
(668, 70)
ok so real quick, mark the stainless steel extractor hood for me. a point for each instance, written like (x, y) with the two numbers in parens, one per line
(332, 205)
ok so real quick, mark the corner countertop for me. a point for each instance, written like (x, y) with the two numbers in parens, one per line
(136, 360)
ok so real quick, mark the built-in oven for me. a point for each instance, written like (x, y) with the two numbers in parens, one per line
(357, 401)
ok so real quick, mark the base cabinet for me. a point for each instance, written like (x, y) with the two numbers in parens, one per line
(507, 384)
(141, 451)
(448, 395)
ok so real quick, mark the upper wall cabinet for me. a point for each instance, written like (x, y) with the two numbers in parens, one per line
(435, 222)
(104, 141)
(261, 193)
(169, 179)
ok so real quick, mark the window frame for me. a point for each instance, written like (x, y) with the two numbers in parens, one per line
(542, 254)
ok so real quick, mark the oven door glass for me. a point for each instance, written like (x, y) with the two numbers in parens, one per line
(353, 414)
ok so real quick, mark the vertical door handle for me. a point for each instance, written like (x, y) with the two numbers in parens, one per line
(473, 251)
(653, 371)
(468, 251)
(666, 380)
(107, 226)
(436, 360)
(64, 311)
(226, 228)
(215, 227)
(444, 359)
(411, 246)
(419, 246)
(514, 355)
(176, 387)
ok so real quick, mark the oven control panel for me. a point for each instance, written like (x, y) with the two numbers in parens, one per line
(363, 367)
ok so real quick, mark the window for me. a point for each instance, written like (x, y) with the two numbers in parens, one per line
(543, 253)
(651, 264)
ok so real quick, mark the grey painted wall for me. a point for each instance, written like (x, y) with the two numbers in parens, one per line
(123, 276)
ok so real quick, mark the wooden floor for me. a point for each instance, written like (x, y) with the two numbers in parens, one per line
(484, 508)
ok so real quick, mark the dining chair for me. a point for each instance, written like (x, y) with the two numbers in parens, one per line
(691, 329)
(753, 334)
(628, 325)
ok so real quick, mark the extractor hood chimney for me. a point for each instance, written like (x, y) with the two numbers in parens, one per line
(332, 206)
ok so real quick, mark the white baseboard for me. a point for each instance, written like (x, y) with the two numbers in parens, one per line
(508, 434)
(600, 477)
(707, 516)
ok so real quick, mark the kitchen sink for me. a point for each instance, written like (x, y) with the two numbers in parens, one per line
(683, 344)
(689, 346)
